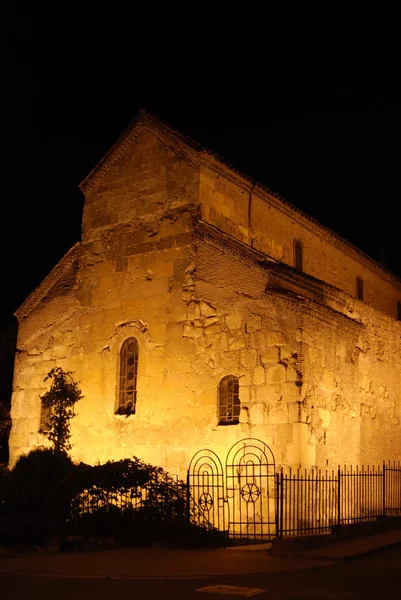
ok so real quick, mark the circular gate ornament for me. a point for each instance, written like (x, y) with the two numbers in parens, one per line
(205, 502)
(250, 492)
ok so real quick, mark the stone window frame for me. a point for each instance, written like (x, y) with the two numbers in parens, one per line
(229, 404)
(127, 387)
(298, 255)
(44, 424)
(359, 288)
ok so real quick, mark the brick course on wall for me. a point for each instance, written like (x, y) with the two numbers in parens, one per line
(253, 216)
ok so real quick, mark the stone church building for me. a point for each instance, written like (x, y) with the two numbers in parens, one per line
(200, 309)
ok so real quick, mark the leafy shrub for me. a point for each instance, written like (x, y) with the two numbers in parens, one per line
(38, 496)
(61, 398)
(135, 503)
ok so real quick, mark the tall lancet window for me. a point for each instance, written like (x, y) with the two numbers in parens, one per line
(128, 377)
(359, 288)
(45, 412)
(298, 255)
(229, 403)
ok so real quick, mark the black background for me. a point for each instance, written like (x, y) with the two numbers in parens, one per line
(324, 137)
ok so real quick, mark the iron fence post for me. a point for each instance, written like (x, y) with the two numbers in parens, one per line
(280, 503)
(384, 488)
(277, 504)
(338, 496)
(188, 511)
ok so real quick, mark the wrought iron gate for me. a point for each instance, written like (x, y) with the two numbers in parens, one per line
(239, 499)
(206, 487)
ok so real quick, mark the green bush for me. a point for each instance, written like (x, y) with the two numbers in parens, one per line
(128, 499)
(134, 503)
(38, 497)
(61, 398)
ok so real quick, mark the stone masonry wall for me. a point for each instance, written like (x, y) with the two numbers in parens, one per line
(134, 271)
(319, 385)
(148, 182)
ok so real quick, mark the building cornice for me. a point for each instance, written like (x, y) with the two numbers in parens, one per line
(286, 281)
(43, 289)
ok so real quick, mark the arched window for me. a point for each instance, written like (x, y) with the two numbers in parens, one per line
(359, 288)
(298, 255)
(229, 403)
(45, 412)
(128, 377)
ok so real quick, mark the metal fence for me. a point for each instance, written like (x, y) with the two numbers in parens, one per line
(316, 501)
(305, 502)
(361, 495)
(392, 489)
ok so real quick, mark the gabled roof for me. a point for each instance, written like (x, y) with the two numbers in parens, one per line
(182, 144)
(195, 153)
(54, 277)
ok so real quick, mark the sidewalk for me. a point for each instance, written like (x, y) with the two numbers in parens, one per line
(160, 563)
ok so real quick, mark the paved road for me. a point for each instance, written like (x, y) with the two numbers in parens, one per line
(373, 577)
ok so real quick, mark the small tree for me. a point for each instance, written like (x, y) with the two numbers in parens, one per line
(61, 398)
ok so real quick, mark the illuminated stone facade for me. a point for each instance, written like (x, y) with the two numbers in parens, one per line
(197, 263)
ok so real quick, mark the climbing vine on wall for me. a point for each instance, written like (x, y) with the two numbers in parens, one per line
(61, 398)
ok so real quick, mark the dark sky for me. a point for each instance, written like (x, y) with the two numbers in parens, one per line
(331, 149)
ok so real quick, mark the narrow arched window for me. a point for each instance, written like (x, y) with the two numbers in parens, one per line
(45, 412)
(359, 288)
(298, 255)
(128, 377)
(229, 403)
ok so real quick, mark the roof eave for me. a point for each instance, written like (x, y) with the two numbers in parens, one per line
(43, 288)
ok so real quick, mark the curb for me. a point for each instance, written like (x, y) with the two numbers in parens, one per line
(323, 562)
(327, 563)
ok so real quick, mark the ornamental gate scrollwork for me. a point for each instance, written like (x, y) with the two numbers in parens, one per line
(206, 486)
(239, 499)
(250, 488)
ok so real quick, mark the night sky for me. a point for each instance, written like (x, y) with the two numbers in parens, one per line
(332, 150)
